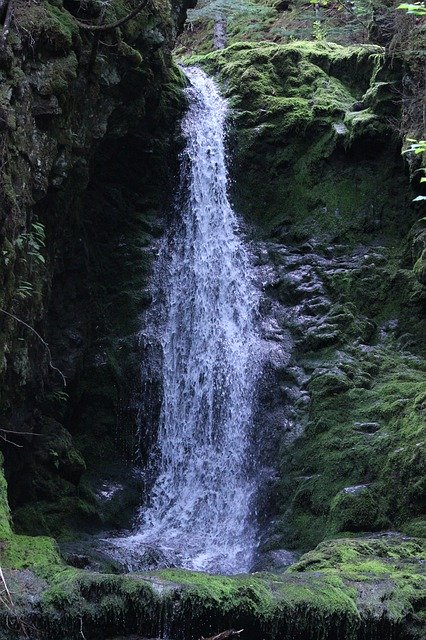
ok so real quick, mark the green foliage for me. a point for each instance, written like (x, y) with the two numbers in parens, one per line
(318, 31)
(416, 146)
(32, 243)
(58, 396)
(414, 9)
(28, 249)
(24, 290)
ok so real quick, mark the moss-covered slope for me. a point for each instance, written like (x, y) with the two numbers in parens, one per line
(314, 144)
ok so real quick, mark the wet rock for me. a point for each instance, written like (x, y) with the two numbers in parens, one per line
(367, 427)
(275, 560)
(355, 489)
(340, 128)
(321, 336)
(329, 382)
(46, 106)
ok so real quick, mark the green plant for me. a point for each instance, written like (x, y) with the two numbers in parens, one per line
(54, 455)
(25, 290)
(209, 10)
(318, 31)
(414, 9)
(32, 243)
(58, 396)
(36, 241)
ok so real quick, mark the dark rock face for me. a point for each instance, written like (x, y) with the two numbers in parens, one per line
(89, 152)
(327, 405)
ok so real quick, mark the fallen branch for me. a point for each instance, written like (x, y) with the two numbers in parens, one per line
(51, 365)
(5, 432)
(225, 635)
(6, 588)
(114, 25)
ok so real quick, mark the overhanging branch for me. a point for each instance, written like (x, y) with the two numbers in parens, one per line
(114, 25)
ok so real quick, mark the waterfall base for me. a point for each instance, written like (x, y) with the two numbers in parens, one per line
(345, 589)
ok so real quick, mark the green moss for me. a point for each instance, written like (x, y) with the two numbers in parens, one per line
(298, 137)
(342, 587)
(342, 478)
(5, 530)
(56, 75)
(48, 27)
(359, 510)
(40, 554)
(247, 592)
(415, 527)
(340, 583)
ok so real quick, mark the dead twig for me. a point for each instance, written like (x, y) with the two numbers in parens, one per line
(51, 365)
(7, 600)
(81, 628)
(6, 588)
(225, 635)
(96, 38)
(4, 433)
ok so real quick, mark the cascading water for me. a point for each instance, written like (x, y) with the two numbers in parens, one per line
(200, 511)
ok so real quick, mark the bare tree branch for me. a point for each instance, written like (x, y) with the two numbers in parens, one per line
(114, 25)
(51, 365)
(8, 602)
(96, 38)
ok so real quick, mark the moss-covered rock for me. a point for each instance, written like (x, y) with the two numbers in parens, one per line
(349, 587)
(305, 114)
(46, 26)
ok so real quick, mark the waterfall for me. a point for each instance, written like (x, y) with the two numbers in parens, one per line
(200, 510)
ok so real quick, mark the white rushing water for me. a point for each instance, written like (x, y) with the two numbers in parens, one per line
(199, 514)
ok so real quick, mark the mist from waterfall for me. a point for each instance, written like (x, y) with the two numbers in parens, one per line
(199, 514)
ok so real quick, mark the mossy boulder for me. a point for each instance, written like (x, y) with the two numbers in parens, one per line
(359, 465)
(346, 588)
(305, 114)
(47, 27)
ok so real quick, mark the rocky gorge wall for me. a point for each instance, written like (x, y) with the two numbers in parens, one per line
(90, 150)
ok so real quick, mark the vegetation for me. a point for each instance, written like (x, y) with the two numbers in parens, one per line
(323, 97)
